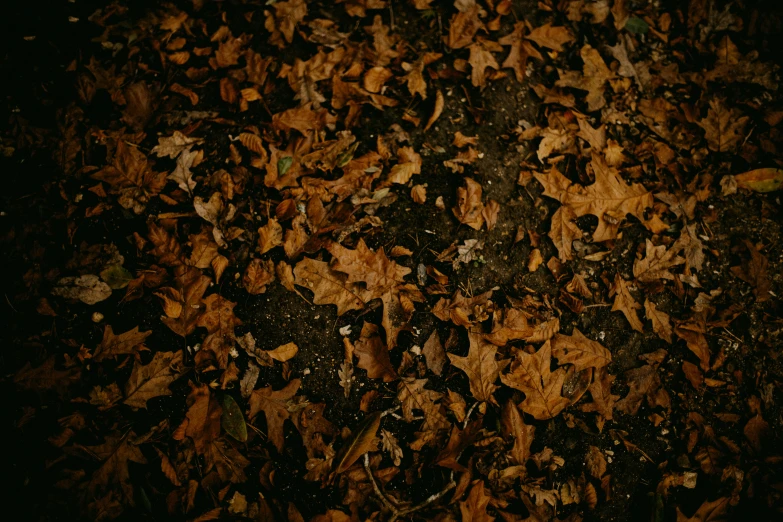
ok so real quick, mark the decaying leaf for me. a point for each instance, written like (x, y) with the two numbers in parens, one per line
(480, 366)
(531, 374)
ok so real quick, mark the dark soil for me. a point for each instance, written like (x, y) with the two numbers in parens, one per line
(43, 227)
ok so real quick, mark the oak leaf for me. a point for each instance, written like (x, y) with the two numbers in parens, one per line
(115, 453)
(153, 379)
(329, 286)
(126, 343)
(580, 351)
(274, 405)
(480, 366)
(543, 388)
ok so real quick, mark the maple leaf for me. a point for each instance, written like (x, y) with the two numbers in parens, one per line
(469, 206)
(152, 380)
(131, 177)
(657, 262)
(580, 351)
(594, 75)
(329, 286)
(115, 453)
(692, 333)
(512, 425)
(373, 355)
(202, 420)
(625, 303)
(362, 265)
(610, 199)
(274, 405)
(480, 366)
(723, 127)
(46, 377)
(189, 286)
(126, 343)
(167, 248)
(474, 507)
(205, 250)
(520, 51)
(226, 460)
(531, 374)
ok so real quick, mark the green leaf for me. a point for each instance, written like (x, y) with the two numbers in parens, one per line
(347, 155)
(283, 164)
(361, 441)
(232, 420)
(761, 180)
(116, 277)
(636, 25)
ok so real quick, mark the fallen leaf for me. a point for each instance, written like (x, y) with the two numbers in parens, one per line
(89, 289)
(761, 180)
(551, 37)
(232, 420)
(531, 374)
(361, 441)
(480, 366)
(660, 321)
(625, 303)
(512, 425)
(580, 351)
(469, 206)
(274, 405)
(153, 379)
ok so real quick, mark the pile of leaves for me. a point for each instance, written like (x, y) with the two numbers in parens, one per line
(374, 260)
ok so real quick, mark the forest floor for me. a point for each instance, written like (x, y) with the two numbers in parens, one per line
(393, 260)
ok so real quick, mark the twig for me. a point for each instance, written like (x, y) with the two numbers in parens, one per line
(396, 511)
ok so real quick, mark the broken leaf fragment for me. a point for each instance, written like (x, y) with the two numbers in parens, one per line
(88, 289)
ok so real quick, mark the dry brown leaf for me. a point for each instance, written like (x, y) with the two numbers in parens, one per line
(127, 343)
(595, 462)
(551, 37)
(723, 127)
(480, 366)
(202, 420)
(625, 303)
(274, 404)
(580, 351)
(257, 275)
(329, 286)
(437, 110)
(657, 262)
(469, 205)
(513, 425)
(373, 355)
(609, 198)
(419, 194)
(531, 374)
(660, 321)
(474, 507)
(153, 379)
(594, 75)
